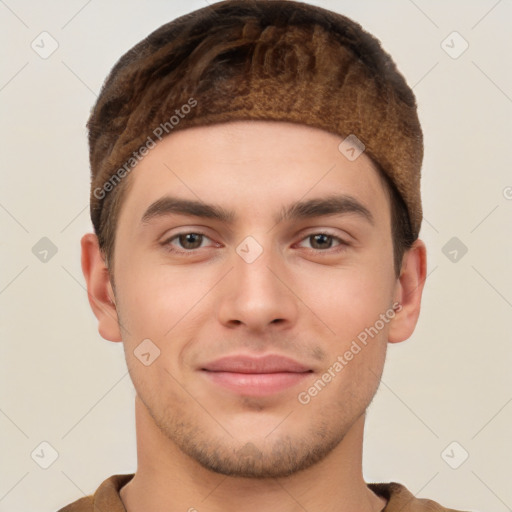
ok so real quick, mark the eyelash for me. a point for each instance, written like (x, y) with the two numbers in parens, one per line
(192, 252)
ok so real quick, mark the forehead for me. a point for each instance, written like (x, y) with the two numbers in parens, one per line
(254, 167)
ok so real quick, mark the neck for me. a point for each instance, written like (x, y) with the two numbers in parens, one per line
(167, 479)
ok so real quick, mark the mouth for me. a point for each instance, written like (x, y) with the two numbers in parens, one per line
(256, 376)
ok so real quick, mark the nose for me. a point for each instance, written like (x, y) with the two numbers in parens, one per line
(258, 294)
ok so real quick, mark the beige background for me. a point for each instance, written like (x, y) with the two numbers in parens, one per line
(63, 384)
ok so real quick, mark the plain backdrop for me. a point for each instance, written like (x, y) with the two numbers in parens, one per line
(445, 393)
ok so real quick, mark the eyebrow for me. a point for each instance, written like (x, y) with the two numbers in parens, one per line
(330, 205)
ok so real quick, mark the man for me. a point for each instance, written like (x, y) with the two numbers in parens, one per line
(256, 203)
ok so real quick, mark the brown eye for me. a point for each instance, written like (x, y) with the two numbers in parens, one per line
(324, 243)
(185, 243)
(190, 240)
(321, 241)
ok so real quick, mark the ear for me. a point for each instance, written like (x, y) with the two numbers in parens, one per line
(99, 289)
(409, 289)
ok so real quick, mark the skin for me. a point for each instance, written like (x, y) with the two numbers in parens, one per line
(202, 446)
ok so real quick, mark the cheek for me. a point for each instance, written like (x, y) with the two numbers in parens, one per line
(154, 297)
(346, 300)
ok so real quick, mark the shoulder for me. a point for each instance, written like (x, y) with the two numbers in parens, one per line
(81, 505)
(401, 499)
(106, 497)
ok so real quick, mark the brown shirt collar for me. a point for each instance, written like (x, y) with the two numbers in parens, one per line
(107, 499)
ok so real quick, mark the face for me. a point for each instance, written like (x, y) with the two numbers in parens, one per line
(271, 317)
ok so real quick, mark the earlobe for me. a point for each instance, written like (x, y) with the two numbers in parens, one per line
(409, 290)
(99, 288)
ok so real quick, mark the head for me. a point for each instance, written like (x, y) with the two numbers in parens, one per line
(242, 108)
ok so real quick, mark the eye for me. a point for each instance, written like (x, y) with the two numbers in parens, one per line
(323, 241)
(187, 241)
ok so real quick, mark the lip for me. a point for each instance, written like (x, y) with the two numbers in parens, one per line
(271, 363)
(256, 376)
